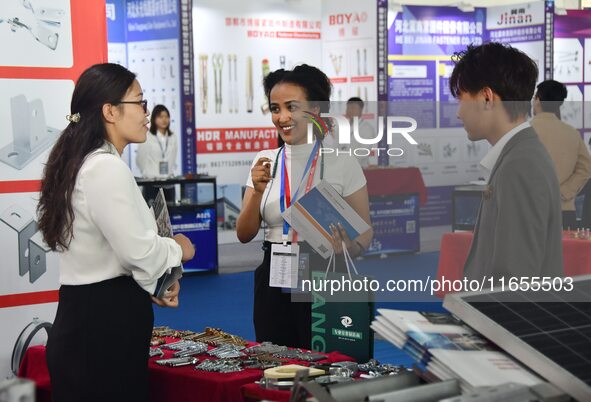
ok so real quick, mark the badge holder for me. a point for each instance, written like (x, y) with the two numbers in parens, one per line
(284, 266)
(163, 168)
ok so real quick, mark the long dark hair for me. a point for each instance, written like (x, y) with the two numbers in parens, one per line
(313, 81)
(155, 113)
(98, 85)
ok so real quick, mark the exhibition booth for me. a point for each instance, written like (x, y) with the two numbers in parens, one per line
(205, 61)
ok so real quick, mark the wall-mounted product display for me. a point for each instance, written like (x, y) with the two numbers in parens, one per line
(152, 41)
(348, 47)
(33, 113)
(236, 46)
(232, 83)
(33, 27)
(156, 63)
(31, 248)
(30, 133)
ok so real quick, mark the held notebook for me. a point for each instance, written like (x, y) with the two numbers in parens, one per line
(165, 230)
(312, 215)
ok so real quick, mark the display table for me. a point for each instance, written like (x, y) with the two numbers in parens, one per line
(173, 384)
(388, 181)
(576, 255)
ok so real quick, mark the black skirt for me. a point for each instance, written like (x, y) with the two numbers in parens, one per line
(276, 317)
(97, 349)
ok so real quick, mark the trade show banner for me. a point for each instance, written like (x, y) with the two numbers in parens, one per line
(572, 67)
(153, 39)
(349, 56)
(422, 41)
(349, 43)
(522, 26)
(46, 46)
(236, 44)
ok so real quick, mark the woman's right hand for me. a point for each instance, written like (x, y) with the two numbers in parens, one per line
(186, 246)
(261, 174)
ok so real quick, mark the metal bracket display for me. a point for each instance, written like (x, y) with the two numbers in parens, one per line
(25, 227)
(30, 134)
(32, 250)
(37, 257)
(47, 20)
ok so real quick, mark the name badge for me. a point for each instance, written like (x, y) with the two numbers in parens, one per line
(163, 167)
(284, 266)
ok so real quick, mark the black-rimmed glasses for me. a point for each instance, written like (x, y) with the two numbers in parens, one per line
(142, 102)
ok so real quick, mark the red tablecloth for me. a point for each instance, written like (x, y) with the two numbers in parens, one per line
(178, 384)
(455, 247)
(388, 181)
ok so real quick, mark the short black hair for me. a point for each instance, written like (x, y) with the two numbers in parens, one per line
(509, 72)
(552, 95)
(357, 100)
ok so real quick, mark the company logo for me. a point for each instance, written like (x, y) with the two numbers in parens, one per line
(517, 16)
(348, 18)
(344, 130)
(346, 321)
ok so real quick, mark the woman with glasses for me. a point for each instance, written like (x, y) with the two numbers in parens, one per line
(157, 157)
(93, 214)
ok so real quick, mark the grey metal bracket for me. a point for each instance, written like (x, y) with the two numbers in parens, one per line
(25, 227)
(30, 134)
(37, 257)
(32, 250)
(50, 16)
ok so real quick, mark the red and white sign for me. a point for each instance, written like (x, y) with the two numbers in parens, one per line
(41, 72)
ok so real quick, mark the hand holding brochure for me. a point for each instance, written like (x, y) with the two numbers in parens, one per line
(164, 230)
(312, 215)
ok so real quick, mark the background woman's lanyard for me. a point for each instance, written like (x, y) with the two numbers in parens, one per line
(163, 150)
(285, 197)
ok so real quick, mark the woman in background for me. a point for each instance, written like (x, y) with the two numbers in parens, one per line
(110, 255)
(157, 157)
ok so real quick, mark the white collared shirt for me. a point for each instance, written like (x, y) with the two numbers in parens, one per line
(114, 231)
(488, 162)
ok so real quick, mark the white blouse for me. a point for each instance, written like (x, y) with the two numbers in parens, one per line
(114, 231)
(157, 148)
(343, 172)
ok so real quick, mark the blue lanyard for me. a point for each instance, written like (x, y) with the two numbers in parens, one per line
(282, 185)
